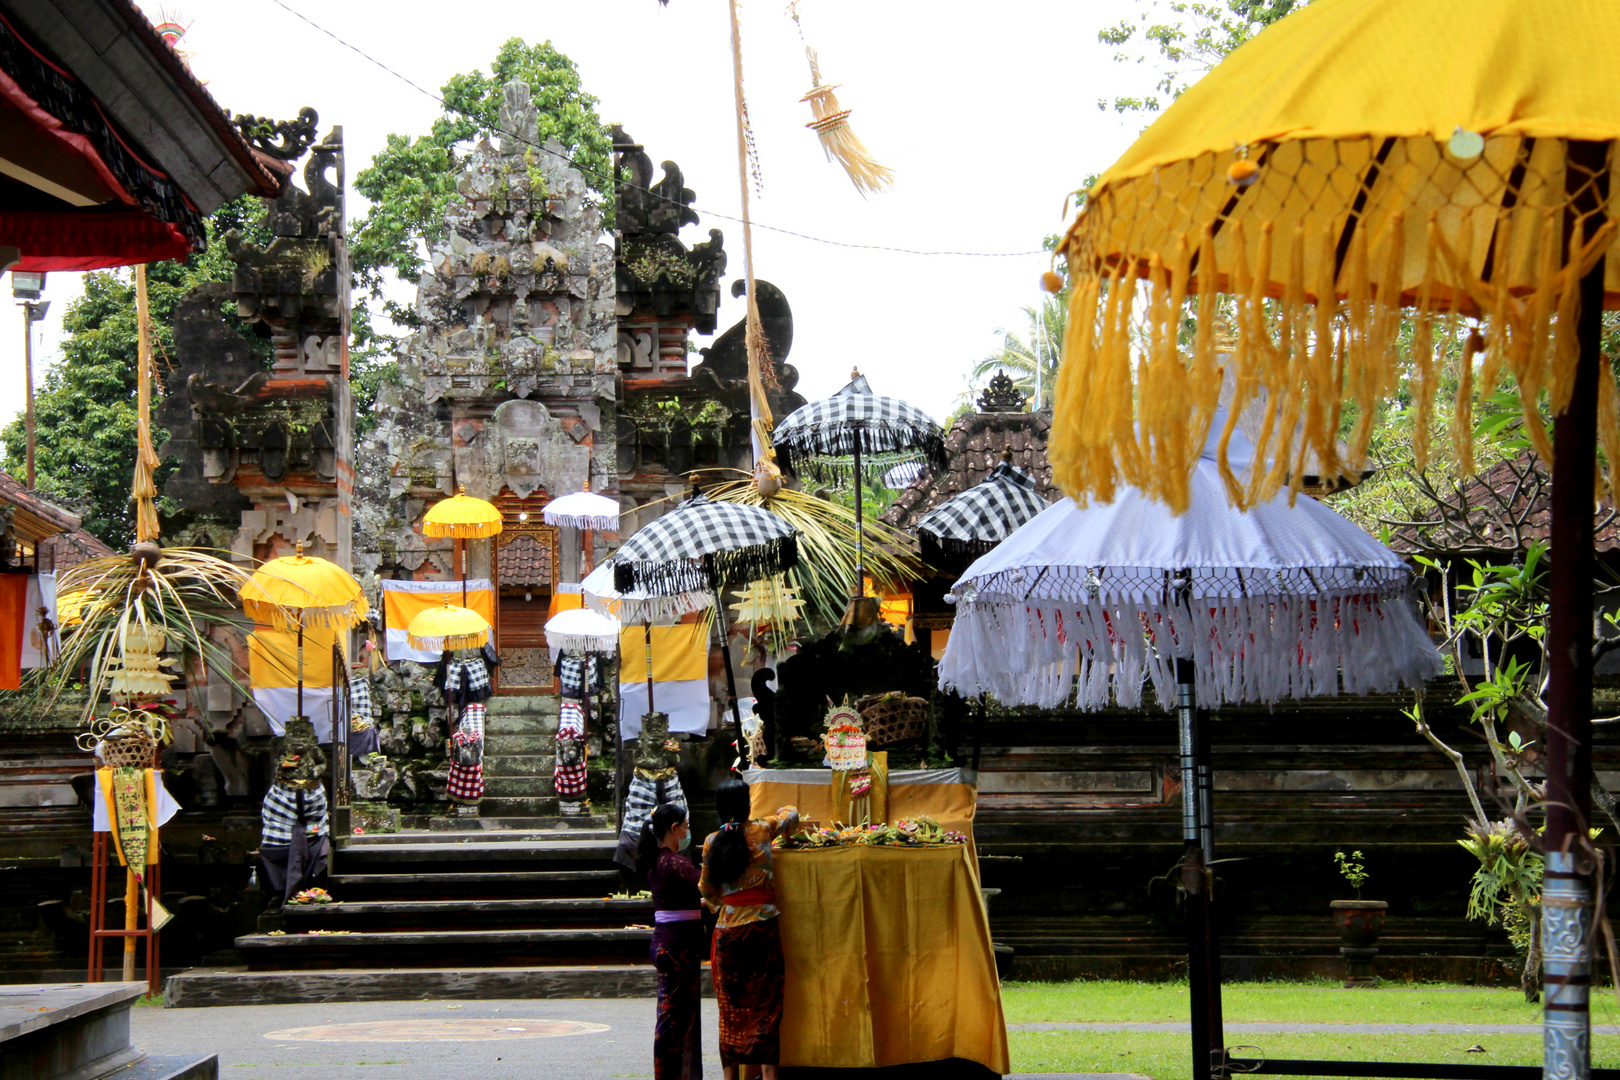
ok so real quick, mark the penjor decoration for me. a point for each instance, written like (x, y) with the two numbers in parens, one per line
(831, 125)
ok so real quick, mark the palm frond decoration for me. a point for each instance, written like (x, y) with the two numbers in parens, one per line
(124, 602)
(825, 576)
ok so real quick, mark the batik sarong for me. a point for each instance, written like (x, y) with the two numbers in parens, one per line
(748, 979)
(677, 954)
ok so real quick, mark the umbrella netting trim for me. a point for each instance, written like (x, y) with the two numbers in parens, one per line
(982, 516)
(797, 448)
(718, 569)
(1261, 649)
(581, 643)
(1307, 269)
(448, 641)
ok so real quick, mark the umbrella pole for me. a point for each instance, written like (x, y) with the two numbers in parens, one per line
(1566, 910)
(1203, 950)
(731, 679)
(860, 550)
(647, 627)
(300, 711)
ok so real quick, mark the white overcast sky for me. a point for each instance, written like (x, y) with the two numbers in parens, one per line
(986, 111)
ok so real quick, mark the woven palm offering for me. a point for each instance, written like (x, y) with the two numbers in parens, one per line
(127, 751)
(892, 718)
(846, 743)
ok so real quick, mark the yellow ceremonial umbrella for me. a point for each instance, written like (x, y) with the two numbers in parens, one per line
(1368, 191)
(447, 627)
(465, 518)
(295, 591)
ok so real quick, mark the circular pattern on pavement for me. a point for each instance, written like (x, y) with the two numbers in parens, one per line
(435, 1030)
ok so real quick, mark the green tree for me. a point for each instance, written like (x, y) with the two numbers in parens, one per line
(84, 414)
(1030, 358)
(413, 178)
(1180, 40)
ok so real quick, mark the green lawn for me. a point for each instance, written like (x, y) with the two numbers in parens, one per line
(1163, 1055)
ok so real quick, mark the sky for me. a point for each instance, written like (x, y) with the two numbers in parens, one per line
(986, 112)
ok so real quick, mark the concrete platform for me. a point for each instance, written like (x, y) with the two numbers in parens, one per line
(81, 1031)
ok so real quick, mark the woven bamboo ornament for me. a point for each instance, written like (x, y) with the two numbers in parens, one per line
(1355, 238)
(831, 125)
(137, 671)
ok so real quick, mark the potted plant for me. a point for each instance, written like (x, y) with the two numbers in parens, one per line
(1358, 921)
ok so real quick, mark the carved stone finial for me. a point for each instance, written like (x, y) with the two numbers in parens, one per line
(518, 118)
(285, 140)
(1001, 395)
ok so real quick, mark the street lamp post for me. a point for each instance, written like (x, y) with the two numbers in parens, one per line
(26, 287)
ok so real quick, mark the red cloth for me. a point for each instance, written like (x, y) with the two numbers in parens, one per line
(13, 625)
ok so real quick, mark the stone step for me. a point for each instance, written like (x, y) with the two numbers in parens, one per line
(502, 808)
(474, 883)
(204, 987)
(443, 838)
(533, 705)
(171, 1067)
(519, 824)
(435, 915)
(518, 745)
(497, 726)
(518, 765)
(439, 948)
(534, 787)
(477, 850)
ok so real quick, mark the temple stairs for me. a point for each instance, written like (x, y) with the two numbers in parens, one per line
(509, 903)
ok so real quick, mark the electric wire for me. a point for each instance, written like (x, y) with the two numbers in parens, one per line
(599, 175)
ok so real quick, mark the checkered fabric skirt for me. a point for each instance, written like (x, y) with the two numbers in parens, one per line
(570, 720)
(279, 815)
(467, 681)
(569, 780)
(466, 783)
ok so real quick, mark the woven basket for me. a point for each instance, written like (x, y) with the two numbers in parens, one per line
(128, 751)
(893, 718)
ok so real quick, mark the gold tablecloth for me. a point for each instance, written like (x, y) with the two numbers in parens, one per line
(949, 796)
(888, 959)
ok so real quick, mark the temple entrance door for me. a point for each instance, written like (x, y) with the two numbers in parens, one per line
(524, 566)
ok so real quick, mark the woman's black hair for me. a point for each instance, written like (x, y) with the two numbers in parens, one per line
(729, 855)
(665, 816)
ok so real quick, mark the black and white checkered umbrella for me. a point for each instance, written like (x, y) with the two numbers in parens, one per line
(982, 516)
(705, 545)
(855, 418)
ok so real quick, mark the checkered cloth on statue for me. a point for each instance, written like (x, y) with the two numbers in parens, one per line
(644, 797)
(360, 707)
(466, 782)
(472, 720)
(569, 777)
(466, 681)
(579, 675)
(279, 815)
(570, 720)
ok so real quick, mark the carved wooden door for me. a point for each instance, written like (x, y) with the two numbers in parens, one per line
(525, 568)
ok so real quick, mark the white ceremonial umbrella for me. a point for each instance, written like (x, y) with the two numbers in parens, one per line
(582, 630)
(1212, 607)
(583, 510)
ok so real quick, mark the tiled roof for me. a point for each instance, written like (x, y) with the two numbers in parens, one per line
(525, 561)
(974, 446)
(1509, 504)
(36, 518)
(69, 549)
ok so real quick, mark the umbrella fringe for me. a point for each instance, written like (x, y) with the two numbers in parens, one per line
(727, 568)
(796, 447)
(339, 618)
(1260, 649)
(935, 548)
(581, 643)
(604, 523)
(448, 642)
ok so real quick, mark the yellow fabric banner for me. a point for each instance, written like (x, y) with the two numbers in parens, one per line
(273, 657)
(564, 601)
(888, 959)
(680, 653)
(400, 607)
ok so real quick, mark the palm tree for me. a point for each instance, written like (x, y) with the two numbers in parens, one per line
(1030, 358)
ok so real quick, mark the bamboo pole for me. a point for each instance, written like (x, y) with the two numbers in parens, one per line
(132, 902)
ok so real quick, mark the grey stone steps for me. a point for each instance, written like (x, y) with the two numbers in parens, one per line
(519, 765)
(498, 726)
(536, 787)
(419, 885)
(500, 807)
(202, 987)
(518, 824)
(171, 1067)
(440, 948)
(479, 850)
(439, 839)
(533, 705)
(519, 744)
(485, 914)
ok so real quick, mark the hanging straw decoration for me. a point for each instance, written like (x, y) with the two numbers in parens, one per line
(143, 491)
(831, 125)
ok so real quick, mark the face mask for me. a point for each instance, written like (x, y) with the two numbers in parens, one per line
(686, 842)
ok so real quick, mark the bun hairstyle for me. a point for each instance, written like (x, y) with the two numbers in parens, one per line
(729, 855)
(665, 816)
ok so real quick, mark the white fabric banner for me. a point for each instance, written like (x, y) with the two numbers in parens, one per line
(166, 808)
(41, 594)
(686, 702)
(280, 702)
